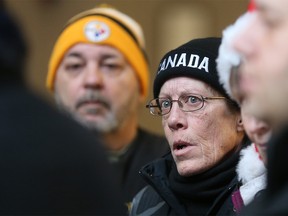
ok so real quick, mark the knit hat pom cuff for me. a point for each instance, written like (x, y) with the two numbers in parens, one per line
(228, 57)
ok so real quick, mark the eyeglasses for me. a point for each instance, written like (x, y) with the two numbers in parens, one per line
(187, 103)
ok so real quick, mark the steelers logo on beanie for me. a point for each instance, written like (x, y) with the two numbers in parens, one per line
(195, 59)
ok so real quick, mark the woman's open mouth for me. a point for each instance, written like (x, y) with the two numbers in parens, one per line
(181, 148)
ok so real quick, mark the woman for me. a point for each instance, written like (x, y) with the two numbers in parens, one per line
(251, 169)
(204, 130)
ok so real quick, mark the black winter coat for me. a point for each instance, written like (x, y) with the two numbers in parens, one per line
(158, 198)
(49, 164)
(146, 147)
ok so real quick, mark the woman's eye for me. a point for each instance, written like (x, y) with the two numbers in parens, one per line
(193, 99)
(165, 104)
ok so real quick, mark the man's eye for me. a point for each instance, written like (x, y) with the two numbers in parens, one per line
(271, 21)
(270, 24)
(111, 66)
(73, 67)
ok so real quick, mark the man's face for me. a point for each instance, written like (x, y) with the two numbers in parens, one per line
(201, 139)
(264, 69)
(98, 87)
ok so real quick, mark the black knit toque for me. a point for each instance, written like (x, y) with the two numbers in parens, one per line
(195, 59)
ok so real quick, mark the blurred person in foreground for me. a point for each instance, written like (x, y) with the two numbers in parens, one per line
(251, 169)
(49, 165)
(99, 74)
(263, 77)
(264, 68)
(205, 133)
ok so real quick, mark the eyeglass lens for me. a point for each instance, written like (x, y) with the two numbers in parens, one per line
(162, 106)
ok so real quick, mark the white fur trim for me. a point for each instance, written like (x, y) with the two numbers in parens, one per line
(251, 172)
(228, 56)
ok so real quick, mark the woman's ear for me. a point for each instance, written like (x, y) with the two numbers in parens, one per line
(239, 124)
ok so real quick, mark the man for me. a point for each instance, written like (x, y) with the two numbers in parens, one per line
(264, 71)
(263, 80)
(49, 165)
(98, 72)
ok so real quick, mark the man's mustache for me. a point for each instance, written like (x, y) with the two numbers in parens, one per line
(91, 97)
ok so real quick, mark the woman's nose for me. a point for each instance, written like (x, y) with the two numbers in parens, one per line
(176, 118)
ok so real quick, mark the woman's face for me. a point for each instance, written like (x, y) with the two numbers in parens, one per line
(257, 130)
(201, 139)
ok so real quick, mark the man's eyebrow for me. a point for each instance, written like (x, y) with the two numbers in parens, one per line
(74, 54)
(103, 56)
(106, 56)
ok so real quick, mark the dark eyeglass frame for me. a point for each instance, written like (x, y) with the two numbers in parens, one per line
(152, 107)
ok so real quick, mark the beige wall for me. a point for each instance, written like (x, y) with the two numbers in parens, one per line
(166, 23)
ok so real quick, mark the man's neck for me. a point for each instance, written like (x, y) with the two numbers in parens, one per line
(118, 140)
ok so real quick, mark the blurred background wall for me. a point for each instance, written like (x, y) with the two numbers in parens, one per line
(166, 23)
